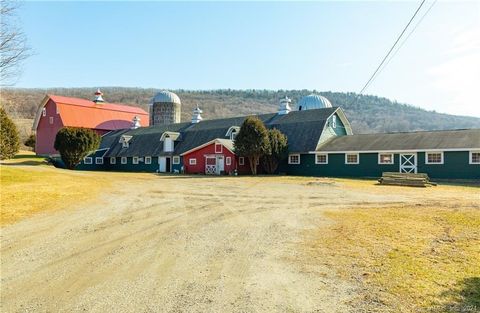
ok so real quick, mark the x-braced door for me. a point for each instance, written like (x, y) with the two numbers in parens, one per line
(408, 163)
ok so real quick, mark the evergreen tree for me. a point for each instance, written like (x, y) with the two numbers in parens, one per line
(30, 142)
(252, 141)
(277, 151)
(75, 143)
(9, 142)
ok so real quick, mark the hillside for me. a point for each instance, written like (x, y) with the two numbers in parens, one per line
(367, 114)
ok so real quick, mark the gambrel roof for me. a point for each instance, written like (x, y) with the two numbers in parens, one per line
(302, 128)
(460, 139)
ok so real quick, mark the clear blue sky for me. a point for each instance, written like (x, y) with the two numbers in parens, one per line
(270, 45)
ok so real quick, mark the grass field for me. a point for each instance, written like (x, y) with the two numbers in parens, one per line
(306, 244)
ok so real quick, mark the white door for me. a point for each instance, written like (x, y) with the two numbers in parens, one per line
(162, 164)
(408, 163)
(220, 164)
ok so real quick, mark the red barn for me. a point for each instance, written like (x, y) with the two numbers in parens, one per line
(214, 157)
(56, 112)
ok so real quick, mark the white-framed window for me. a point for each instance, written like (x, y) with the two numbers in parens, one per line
(321, 158)
(334, 121)
(125, 144)
(135, 160)
(87, 160)
(113, 160)
(228, 160)
(44, 112)
(385, 158)
(98, 160)
(218, 148)
(57, 109)
(148, 160)
(352, 158)
(168, 144)
(294, 159)
(50, 119)
(176, 160)
(474, 157)
(434, 157)
(123, 160)
(192, 161)
(241, 161)
(233, 135)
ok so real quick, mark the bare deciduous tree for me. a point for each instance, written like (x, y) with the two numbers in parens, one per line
(13, 43)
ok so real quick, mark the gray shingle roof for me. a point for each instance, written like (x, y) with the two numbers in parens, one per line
(422, 140)
(303, 129)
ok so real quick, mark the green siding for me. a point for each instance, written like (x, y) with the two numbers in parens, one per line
(456, 166)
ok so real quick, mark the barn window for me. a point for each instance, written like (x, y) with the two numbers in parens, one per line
(124, 160)
(135, 160)
(334, 121)
(57, 109)
(87, 160)
(192, 161)
(98, 160)
(218, 148)
(241, 161)
(44, 112)
(113, 160)
(168, 144)
(50, 119)
(294, 159)
(176, 160)
(228, 160)
(351, 158)
(433, 157)
(385, 158)
(148, 160)
(474, 157)
(321, 158)
(233, 135)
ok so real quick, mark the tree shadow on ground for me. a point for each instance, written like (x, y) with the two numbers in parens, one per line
(27, 162)
(465, 298)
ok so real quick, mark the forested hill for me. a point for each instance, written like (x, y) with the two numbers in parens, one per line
(367, 114)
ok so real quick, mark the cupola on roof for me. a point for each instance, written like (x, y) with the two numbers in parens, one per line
(313, 101)
(166, 96)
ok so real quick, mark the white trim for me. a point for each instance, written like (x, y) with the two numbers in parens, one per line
(50, 120)
(394, 151)
(87, 160)
(44, 112)
(173, 135)
(349, 163)
(114, 159)
(207, 144)
(346, 124)
(434, 152)
(326, 158)
(392, 155)
(123, 160)
(406, 165)
(231, 130)
(228, 160)
(241, 160)
(470, 157)
(148, 160)
(39, 112)
(293, 155)
(221, 147)
(98, 160)
(135, 160)
(175, 159)
(192, 161)
(334, 121)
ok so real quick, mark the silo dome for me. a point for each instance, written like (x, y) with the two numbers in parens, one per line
(166, 96)
(313, 102)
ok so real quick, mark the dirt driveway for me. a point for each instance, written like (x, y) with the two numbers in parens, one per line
(181, 244)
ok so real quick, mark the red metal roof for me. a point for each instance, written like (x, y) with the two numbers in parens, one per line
(77, 112)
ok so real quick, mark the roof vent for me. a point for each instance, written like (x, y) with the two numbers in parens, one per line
(136, 122)
(197, 117)
(285, 106)
(98, 96)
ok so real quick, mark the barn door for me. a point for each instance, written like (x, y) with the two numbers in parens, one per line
(210, 165)
(162, 164)
(220, 164)
(408, 163)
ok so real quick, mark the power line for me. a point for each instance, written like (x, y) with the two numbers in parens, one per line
(391, 49)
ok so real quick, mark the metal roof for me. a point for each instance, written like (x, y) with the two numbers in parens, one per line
(166, 96)
(312, 102)
(413, 141)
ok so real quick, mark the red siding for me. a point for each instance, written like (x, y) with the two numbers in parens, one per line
(46, 132)
(200, 154)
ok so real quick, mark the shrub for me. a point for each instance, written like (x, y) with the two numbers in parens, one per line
(75, 143)
(30, 142)
(9, 142)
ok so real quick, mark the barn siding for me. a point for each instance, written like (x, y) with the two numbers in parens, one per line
(46, 132)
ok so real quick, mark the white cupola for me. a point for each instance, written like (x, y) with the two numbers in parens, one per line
(285, 106)
(98, 96)
(197, 117)
(136, 122)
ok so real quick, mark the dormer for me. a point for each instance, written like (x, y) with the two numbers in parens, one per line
(124, 140)
(168, 139)
(232, 132)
